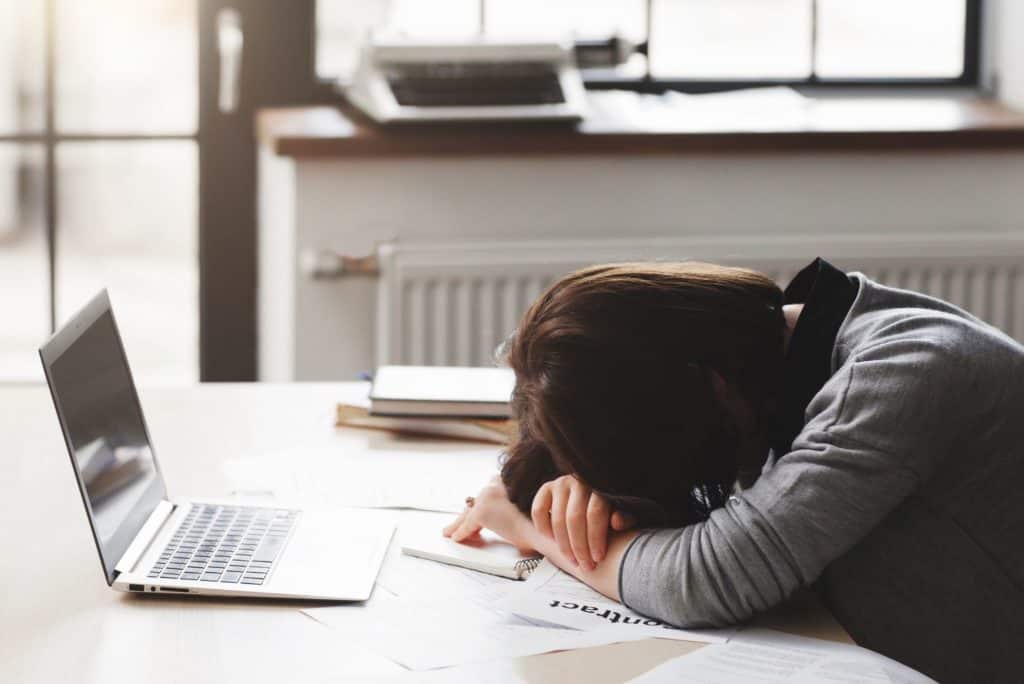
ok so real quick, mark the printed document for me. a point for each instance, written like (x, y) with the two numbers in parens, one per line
(553, 596)
(764, 656)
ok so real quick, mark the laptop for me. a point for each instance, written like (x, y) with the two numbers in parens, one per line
(152, 543)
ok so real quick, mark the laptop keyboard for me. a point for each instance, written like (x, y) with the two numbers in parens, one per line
(225, 544)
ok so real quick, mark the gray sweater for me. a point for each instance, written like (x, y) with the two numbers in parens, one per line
(901, 501)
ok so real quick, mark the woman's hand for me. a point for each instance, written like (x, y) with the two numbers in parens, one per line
(492, 509)
(577, 518)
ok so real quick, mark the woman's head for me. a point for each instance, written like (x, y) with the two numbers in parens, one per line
(647, 381)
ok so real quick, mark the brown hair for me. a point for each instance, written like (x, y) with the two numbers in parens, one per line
(613, 384)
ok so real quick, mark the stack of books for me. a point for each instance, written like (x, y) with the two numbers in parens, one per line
(437, 401)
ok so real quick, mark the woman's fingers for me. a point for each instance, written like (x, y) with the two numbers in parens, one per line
(559, 500)
(454, 525)
(576, 523)
(469, 527)
(622, 521)
(540, 510)
(598, 514)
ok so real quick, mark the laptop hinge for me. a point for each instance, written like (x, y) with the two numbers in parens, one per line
(154, 523)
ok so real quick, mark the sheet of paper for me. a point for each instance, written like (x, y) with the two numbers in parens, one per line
(896, 672)
(424, 635)
(740, 663)
(398, 478)
(417, 579)
(554, 596)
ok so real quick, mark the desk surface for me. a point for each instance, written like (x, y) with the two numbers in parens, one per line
(60, 622)
(619, 124)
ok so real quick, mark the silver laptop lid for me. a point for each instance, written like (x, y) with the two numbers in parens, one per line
(104, 429)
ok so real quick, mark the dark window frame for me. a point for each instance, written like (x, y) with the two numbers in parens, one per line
(970, 77)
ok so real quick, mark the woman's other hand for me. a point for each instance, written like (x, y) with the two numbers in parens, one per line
(492, 509)
(577, 518)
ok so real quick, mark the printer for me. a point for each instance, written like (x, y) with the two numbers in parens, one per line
(400, 80)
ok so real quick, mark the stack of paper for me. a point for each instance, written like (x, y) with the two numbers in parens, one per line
(442, 391)
(423, 635)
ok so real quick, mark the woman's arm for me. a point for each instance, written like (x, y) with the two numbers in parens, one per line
(877, 430)
(604, 576)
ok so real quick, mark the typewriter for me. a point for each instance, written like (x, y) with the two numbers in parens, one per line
(480, 79)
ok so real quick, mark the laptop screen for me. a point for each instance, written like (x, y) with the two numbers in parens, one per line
(104, 428)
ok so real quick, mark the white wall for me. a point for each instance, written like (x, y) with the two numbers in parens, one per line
(324, 329)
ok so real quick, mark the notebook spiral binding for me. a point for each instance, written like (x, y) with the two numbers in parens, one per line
(526, 566)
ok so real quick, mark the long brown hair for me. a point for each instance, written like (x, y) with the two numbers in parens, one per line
(614, 384)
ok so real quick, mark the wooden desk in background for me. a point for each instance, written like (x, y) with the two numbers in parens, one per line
(60, 622)
(619, 125)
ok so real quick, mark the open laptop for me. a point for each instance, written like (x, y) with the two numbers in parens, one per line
(149, 542)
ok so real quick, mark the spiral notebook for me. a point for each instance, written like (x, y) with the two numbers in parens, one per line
(491, 555)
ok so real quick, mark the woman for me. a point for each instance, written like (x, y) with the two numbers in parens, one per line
(698, 444)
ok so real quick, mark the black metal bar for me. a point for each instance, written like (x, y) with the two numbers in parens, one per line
(710, 86)
(50, 173)
(277, 69)
(972, 42)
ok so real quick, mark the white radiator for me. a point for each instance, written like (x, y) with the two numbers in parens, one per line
(453, 303)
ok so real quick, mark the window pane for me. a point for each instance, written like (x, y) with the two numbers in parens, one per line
(891, 38)
(580, 18)
(21, 66)
(127, 66)
(128, 223)
(731, 39)
(24, 286)
(341, 25)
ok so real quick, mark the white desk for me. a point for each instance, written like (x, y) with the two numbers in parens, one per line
(59, 621)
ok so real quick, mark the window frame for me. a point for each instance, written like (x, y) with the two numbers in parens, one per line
(49, 138)
(970, 77)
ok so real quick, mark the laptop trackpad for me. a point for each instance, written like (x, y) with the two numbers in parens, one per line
(333, 554)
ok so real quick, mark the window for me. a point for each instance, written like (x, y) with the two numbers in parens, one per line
(98, 176)
(699, 43)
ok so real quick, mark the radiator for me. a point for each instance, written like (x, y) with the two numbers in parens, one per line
(453, 303)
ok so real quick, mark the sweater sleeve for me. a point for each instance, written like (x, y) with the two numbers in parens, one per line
(877, 429)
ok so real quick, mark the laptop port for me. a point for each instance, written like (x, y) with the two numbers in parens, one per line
(136, 587)
(174, 589)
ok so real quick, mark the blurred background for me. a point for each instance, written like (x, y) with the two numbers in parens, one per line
(116, 172)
